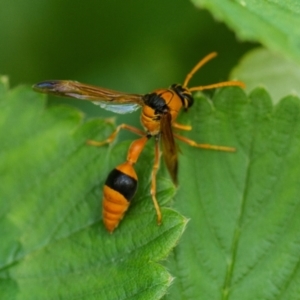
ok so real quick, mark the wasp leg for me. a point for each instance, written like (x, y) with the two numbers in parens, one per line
(181, 126)
(204, 146)
(153, 181)
(114, 134)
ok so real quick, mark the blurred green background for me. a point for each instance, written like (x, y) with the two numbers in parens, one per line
(131, 46)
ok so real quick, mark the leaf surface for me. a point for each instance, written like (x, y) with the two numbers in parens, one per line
(53, 243)
(243, 240)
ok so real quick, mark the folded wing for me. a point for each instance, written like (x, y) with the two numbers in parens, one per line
(115, 101)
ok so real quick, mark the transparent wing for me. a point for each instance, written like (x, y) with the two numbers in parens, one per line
(117, 102)
(118, 108)
(169, 148)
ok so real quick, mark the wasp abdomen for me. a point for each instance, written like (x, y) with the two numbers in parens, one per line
(119, 189)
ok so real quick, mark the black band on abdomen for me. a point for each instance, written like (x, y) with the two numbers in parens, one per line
(122, 183)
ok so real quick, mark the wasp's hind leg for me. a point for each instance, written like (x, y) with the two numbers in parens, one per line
(153, 182)
(204, 146)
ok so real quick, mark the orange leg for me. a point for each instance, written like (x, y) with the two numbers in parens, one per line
(204, 146)
(114, 134)
(153, 181)
(181, 126)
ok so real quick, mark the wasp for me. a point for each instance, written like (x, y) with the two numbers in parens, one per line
(159, 111)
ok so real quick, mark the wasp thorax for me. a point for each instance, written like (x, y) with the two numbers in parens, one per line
(156, 102)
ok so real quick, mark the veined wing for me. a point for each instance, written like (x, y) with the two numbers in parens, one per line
(117, 102)
(169, 148)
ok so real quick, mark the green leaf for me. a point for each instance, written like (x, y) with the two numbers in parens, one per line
(243, 238)
(261, 67)
(53, 243)
(275, 24)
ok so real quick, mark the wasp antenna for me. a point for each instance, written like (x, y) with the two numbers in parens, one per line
(202, 62)
(217, 85)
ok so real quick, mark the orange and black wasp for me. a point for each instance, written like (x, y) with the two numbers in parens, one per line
(160, 109)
